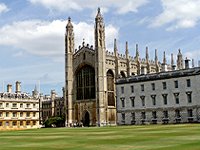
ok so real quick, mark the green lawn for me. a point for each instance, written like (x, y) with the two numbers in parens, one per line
(159, 137)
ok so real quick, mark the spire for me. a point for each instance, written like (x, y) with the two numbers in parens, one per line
(137, 52)
(127, 53)
(156, 61)
(179, 60)
(99, 31)
(69, 24)
(115, 48)
(156, 56)
(147, 54)
(164, 59)
(99, 15)
(172, 59)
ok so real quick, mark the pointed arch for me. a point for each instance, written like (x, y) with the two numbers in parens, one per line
(86, 118)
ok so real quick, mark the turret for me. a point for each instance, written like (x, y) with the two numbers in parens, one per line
(179, 60)
(116, 59)
(147, 60)
(137, 60)
(100, 73)
(164, 64)
(156, 61)
(127, 61)
(69, 76)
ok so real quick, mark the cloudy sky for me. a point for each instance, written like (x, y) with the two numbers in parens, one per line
(32, 34)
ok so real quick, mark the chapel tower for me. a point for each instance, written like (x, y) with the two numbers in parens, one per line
(100, 68)
(69, 50)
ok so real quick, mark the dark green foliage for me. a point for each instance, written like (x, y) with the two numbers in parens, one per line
(58, 121)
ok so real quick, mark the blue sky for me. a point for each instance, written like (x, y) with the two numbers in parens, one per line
(32, 34)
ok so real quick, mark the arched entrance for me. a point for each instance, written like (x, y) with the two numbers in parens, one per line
(86, 119)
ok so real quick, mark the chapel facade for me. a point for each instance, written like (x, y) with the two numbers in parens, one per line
(91, 73)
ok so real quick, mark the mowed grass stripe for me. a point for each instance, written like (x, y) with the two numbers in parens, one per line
(184, 137)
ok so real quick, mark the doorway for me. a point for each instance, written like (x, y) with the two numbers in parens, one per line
(86, 119)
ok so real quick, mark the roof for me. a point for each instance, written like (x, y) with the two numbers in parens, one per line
(160, 75)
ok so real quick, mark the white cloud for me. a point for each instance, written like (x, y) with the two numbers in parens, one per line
(47, 38)
(122, 6)
(3, 8)
(178, 14)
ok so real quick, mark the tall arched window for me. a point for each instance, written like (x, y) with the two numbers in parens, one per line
(85, 83)
(110, 88)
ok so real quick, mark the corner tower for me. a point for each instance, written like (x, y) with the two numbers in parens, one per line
(100, 69)
(69, 50)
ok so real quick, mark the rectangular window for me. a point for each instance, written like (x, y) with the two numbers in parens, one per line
(123, 116)
(133, 116)
(27, 123)
(14, 123)
(1, 114)
(165, 114)
(189, 97)
(1, 105)
(27, 105)
(1, 123)
(132, 101)
(34, 105)
(153, 100)
(14, 105)
(7, 114)
(123, 102)
(153, 86)
(164, 85)
(21, 105)
(176, 96)
(154, 114)
(142, 87)
(14, 114)
(34, 114)
(28, 114)
(122, 90)
(164, 99)
(21, 123)
(143, 115)
(143, 102)
(190, 113)
(177, 113)
(34, 123)
(7, 104)
(176, 84)
(188, 83)
(132, 89)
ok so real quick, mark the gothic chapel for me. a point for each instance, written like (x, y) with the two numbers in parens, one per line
(91, 72)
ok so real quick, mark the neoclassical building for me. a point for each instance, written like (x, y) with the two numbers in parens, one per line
(91, 73)
(19, 110)
(164, 97)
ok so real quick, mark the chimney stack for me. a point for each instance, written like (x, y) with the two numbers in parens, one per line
(9, 88)
(18, 87)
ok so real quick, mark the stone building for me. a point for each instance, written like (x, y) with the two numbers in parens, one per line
(52, 105)
(18, 109)
(164, 97)
(91, 73)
